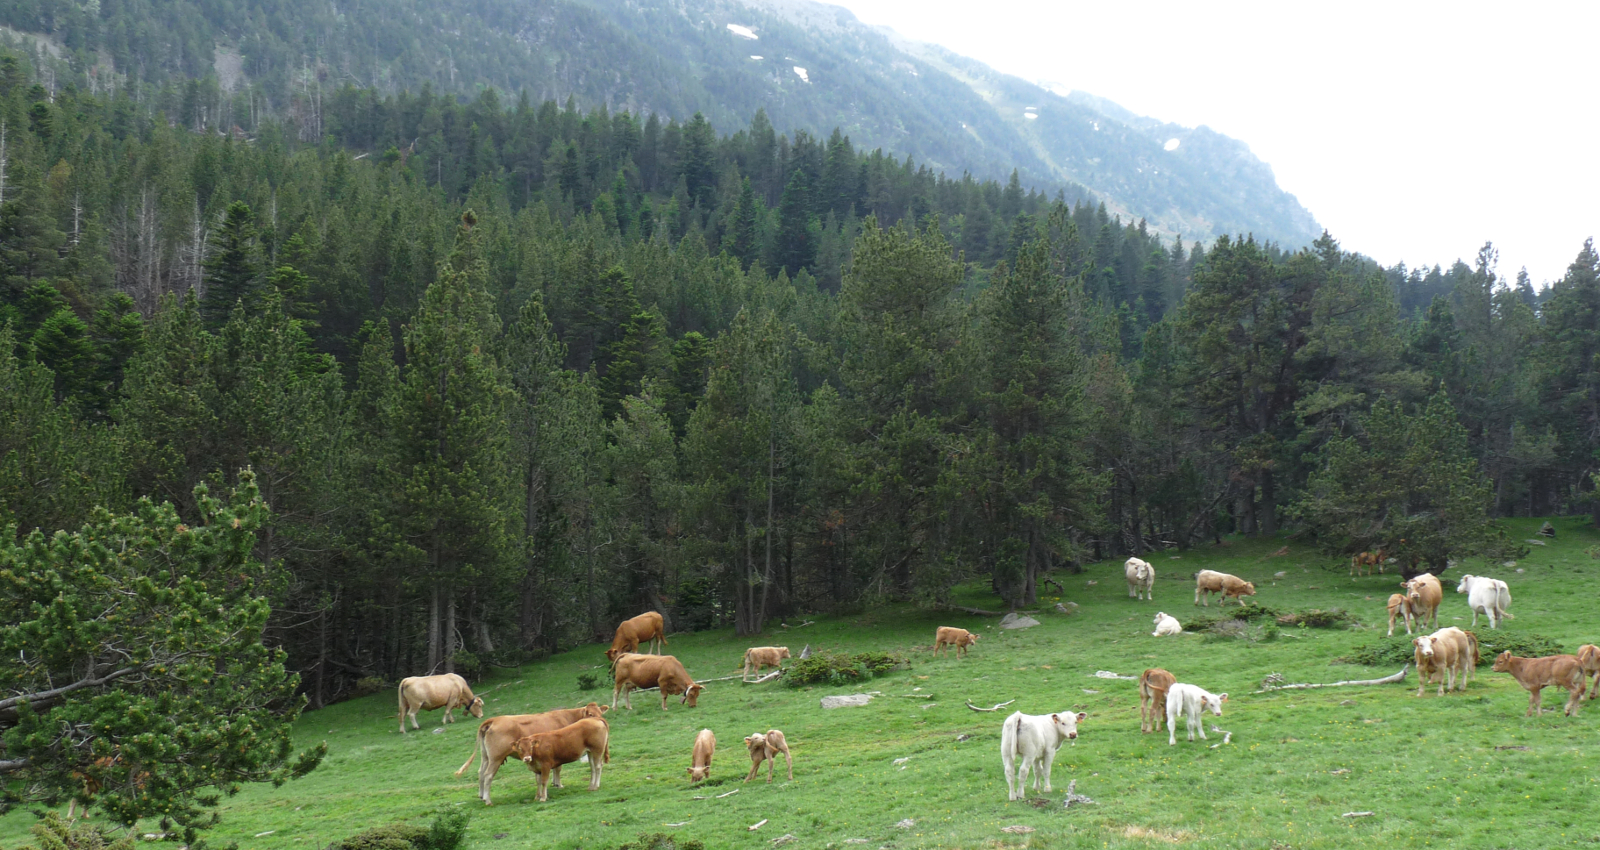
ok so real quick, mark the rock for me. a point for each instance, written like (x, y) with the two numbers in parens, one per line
(902, 760)
(1066, 608)
(439, 731)
(1534, 542)
(1280, 573)
(1521, 570)
(846, 701)
(784, 839)
(1017, 830)
(961, 738)
(906, 824)
(1547, 530)
(806, 653)
(1017, 621)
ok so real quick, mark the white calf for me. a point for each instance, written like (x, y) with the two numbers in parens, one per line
(1489, 596)
(1030, 741)
(1141, 579)
(1166, 624)
(1191, 701)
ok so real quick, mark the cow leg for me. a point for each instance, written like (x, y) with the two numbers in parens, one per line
(544, 785)
(755, 766)
(1023, 764)
(486, 774)
(595, 764)
(1533, 702)
(789, 759)
(1049, 763)
(555, 776)
(614, 689)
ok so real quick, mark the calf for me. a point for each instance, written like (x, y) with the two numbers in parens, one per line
(1536, 674)
(705, 745)
(446, 690)
(1487, 595)
(1589, 660)
(1153, 686)
(1400, 606)
(546, 751)
(649, 626)
(1141, 579)
(757, 657)
(1208, 582)
(765, 747)
(1446, 653)
(1029, 741)
(652, 671)
(958, 638)
(1191, 701)
(497, 737)
(1425, 594)
(1363, 562)
(1166, 624)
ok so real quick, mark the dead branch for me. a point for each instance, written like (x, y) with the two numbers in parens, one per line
(1270, 684)
(996, 708)
(1074, 797)
(1356, 815)
(979, 611)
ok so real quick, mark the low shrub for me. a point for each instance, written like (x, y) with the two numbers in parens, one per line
(838, 668)
(1204, 620)
(661, 841)
(1230, 630)
(447, 832)
(588, 681)
(368, 685)
(1319, 618)
(1399, 649)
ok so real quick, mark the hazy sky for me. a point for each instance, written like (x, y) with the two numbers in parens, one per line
(1413, 131)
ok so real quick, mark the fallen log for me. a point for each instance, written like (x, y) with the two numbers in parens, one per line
(1274, 682)
(996, 708)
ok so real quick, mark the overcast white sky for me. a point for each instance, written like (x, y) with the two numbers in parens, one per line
(1413, 131)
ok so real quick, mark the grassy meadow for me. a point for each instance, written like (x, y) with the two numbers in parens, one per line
(1465, 770)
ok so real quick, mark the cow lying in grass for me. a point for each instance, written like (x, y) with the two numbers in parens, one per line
(546, 751)
(1536, 674)
(1191, 701)
(1166, 624)
(765, 747)
(1153, 686)
(1029, 741)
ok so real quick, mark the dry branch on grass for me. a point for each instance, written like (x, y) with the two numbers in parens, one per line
(1274, 682)
(996, 708)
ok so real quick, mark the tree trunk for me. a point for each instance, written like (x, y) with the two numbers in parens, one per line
(1269, 504)
(450, 633)
(434, 657)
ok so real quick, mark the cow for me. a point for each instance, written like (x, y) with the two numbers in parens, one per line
(446, 690)
(1536, 674)
(543, 752)
(1362, 562)
(1446, 653)
(1231, 587)
(765, 747)
(1400, 606)
(1490, 596)
(1030, 741)
(632, 670)
(648, 626)
(1190, 701)
(958, 638)
(1589, 660)
(498, 735)
(1166, 624)
(705, 745)
(757, 657)
(1425, 594)
(1141, 579)
(1153, 686)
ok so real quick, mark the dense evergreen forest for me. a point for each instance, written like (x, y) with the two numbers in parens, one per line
(505, 371)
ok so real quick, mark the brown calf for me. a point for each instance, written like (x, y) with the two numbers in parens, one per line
(757, 657)
(498, 735)
(1207, 582)
(1153, 685)
(1589, 659)
(1400, 606)
(546, 751)
(648, 626)
(1536, 674)
(766, 748)
(705, 745)
(958, 638)
(1363, 562)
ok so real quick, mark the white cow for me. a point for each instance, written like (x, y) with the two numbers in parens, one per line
(1141, 579)
(1030, 741)
(1489, 596)
(1166, 624)
(1191, 701)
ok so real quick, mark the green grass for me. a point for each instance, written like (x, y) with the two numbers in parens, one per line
(1435, 771)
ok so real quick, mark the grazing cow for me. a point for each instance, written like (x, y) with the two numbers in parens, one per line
(447, 691)
(958, 638)
(543, 752)
(1589, 660)
(1029, 742)
(1190, 701)
(1231, 587)
(1446, 653)
(1490, 596)
(1141, 579)
(765, 747)
(1400, 605)
(705, 745)
(757, 657)
(1153, 686)
(650, 671)
(1425, 594)
(1166, 624)
(1362, 562)
(648, 626)
(1536, 674)
(498, 735)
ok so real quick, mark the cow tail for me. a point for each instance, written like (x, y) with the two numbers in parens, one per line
(1016, 738)
(477, 749)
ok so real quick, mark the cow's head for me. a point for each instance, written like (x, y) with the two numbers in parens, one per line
(1589, 655)
(1067, 724)
(475, 708)
(783, 652)
(612, 654)
(527, 748)
(1159, 616)
(692, 694)
(699, 774)
(1249, 589)
(1502, 662)
(1466, 580)
(969, 639)
(595, 710)
(1213, 702)
(1424, 646)
(756, 743)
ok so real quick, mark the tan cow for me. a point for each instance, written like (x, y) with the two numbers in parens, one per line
(648, 626)
(1446, 653)
(1425, 594)
(545, 751)
(705, 746)
(1362, 562)
(1536, 674)
(1153, 686)
(766, 748)
(1141, 578)
(1400, 606)
(958, 638)
(1589, 659)
(498, 735)
(757, 657)
(632, 670)
(447, 691)
(1208, 582)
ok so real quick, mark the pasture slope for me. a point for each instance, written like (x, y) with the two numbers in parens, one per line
(1466, 770)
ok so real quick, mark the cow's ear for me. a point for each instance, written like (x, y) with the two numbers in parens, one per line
(604, 709)
(1222, 698)
(1056, 718)
(1082, 715)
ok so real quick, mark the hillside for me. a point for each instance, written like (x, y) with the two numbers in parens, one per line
(810, 66)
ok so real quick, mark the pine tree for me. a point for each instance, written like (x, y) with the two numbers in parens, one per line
(795, 244)
(233, 270)
(742, 238)
(699, 163)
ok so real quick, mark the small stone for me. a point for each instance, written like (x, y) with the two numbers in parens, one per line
(1017, 621)
(906, 824)
(500, 835)
(1017, 830)
(846, 701)
(439, 731)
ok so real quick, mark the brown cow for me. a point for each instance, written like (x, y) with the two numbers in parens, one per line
(1425, 594)
(1448, 653)
(1363, 562)
(648, 626)
(766, 748)
(497, 736)
(446, 690)
(958, 638)
(649, 671)
(546, 751)
(1536, 674)
(1208, 582)
(1400, 606)
(1589, 659)
(757, 657)
(1153, 685)
(705, 746)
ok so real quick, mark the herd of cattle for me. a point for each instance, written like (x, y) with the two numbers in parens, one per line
(1028, 743)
